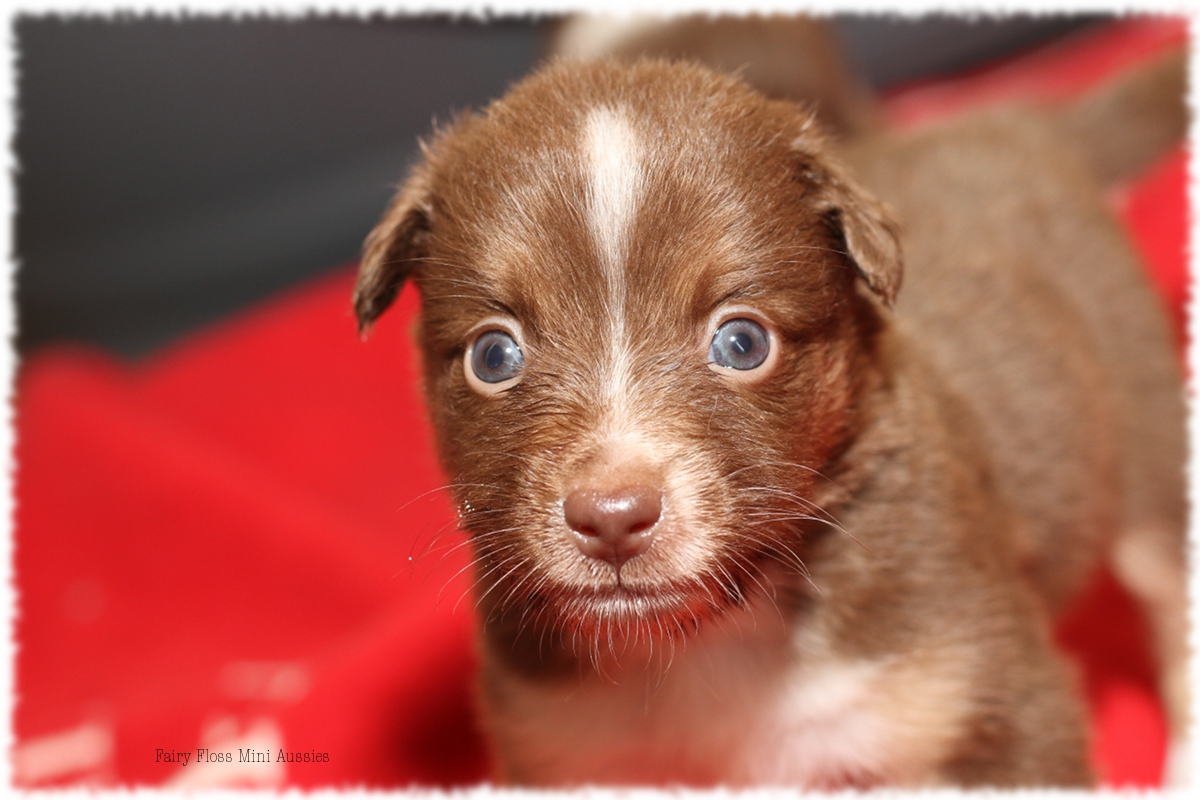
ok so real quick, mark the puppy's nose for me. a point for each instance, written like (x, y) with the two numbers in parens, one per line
(615, 525)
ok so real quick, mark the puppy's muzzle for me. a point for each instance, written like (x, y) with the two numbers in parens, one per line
(613, 525)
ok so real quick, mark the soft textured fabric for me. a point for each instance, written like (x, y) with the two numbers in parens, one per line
(242, 543)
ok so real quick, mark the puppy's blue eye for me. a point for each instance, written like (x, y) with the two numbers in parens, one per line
(740, 344)
(496, 357)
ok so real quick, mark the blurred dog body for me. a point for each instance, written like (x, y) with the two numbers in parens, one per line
(735, 520)
(786, 57)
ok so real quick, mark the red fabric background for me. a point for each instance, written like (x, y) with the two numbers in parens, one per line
(241, 540)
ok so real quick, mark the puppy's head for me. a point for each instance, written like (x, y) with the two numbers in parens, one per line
(647, 299)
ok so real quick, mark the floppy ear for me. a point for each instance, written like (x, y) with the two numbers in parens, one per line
(393, 249)
(866, 226)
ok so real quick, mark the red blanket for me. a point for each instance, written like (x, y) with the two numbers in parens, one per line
(240, 544)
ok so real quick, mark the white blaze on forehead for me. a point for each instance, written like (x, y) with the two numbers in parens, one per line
(613, 155)
(614, 182)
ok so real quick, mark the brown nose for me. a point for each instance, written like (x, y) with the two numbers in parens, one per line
(615, 525)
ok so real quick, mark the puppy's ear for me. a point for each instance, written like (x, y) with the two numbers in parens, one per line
(393, 249)
(867, 228)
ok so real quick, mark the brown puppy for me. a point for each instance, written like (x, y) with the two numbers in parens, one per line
(735, 520)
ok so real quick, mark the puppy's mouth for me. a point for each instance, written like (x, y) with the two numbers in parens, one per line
(662, 609)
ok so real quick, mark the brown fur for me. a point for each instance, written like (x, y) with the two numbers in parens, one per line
(910, 494)
(1122, 127)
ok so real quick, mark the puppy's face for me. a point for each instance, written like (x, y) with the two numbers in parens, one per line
(643, 339)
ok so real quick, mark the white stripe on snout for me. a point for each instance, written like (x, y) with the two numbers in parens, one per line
(614, 158)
